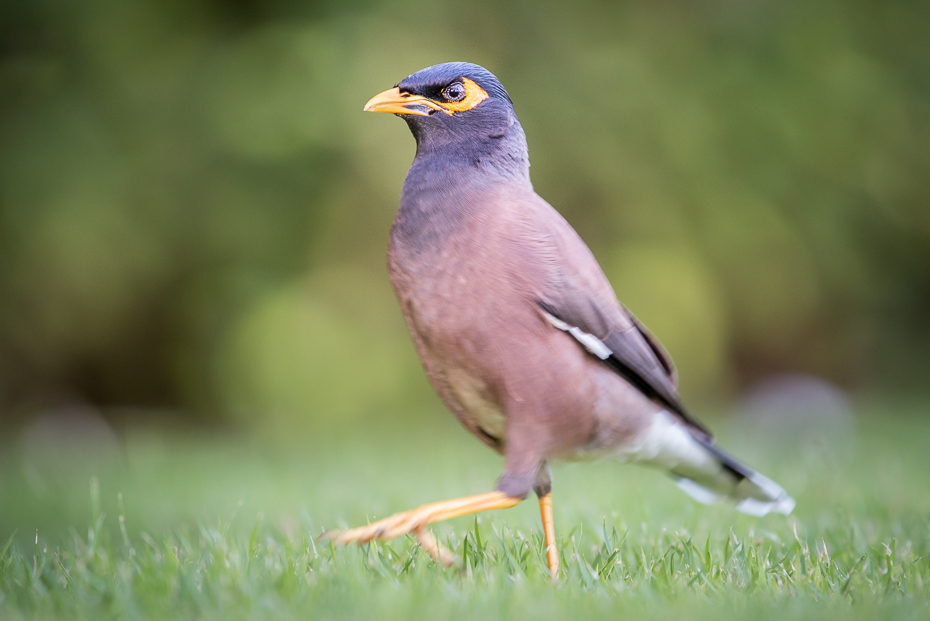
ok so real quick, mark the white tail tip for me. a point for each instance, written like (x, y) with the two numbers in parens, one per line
(755, 495)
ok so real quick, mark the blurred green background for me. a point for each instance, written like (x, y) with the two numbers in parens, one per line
(194, 210)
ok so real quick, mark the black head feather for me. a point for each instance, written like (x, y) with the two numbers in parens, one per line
(487, 135)
(429, 82)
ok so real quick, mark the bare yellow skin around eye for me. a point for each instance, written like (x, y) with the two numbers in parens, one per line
(474, 95)
(395, 102)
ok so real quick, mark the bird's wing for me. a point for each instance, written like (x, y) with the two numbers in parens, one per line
(578, 299)
(668, 365)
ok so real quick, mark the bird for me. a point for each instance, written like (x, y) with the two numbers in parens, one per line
(518, 329)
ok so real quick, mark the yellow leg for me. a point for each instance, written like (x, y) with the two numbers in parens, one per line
(415, 519)
(552, 554)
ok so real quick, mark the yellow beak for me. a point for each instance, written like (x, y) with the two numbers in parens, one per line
(395, 102)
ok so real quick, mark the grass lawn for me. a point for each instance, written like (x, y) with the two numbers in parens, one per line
(179, 525)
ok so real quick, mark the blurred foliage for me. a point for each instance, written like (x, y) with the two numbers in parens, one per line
(194, 211)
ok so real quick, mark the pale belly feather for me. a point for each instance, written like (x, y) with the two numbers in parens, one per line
(475, 396)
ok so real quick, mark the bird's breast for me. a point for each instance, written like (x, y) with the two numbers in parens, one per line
(452, 277)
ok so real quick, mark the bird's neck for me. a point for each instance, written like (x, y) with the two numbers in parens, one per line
(449, 182)
(447, 165)
(496, 149)
(452, 181)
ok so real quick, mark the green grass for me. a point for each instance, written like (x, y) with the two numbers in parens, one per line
(164, 526)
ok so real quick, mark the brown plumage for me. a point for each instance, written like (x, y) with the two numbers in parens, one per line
(518, 329)
(476, 306)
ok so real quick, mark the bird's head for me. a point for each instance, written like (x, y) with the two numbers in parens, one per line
(451, 105)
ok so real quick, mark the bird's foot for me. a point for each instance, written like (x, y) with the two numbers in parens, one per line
(415, 519)
(439, 552)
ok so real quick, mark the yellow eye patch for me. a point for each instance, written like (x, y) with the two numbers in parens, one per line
(474, 95)
(395, 102)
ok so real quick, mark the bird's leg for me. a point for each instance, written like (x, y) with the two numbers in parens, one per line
(415, 519)
(552, 553)
(543, 488)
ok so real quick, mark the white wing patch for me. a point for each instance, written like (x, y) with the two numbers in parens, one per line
(668, 445)
(591, 343)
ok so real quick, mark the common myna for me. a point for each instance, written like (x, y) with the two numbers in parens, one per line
(517, 327)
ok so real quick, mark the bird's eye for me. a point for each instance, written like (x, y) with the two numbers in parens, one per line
(454, 92)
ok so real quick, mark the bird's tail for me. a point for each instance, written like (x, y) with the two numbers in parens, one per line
(706, 473)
